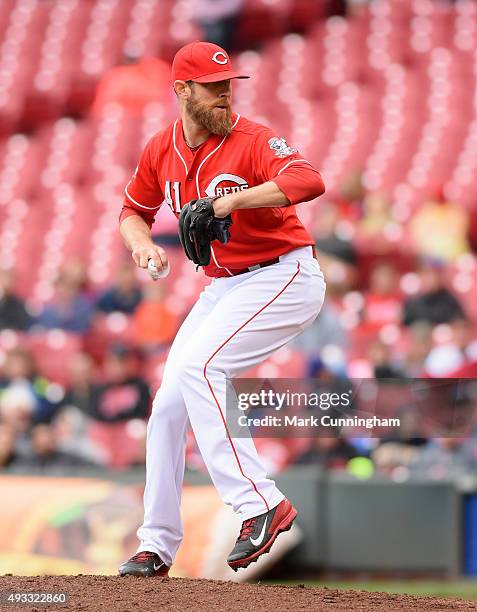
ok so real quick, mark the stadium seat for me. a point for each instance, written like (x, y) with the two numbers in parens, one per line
(52, 351)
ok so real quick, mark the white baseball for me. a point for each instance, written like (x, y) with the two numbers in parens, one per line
(154, 273)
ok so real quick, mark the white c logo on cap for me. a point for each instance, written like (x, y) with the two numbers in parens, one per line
(216, 58)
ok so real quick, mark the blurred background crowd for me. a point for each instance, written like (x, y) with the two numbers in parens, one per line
(379, 95)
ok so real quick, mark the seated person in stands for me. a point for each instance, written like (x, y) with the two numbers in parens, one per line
(419, 344)
(435, 304)
(330, 238)
(327, 330)
(17, 406)
(381, 360)
(439, 228)
(44, 452)
(382, 302)
(81, 388)
(448, 358)
(331, 452)
(70, 310)
(19, 373)
(218, 19)
(377, 216)
(8, 453)
(402, 447)
(75, 272)
(73, 421)
(124, 295)
(155, 323)
(13, 314)
(122, 396)
(133, 85)
(448, 457)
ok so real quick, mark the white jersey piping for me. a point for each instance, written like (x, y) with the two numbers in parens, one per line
(198, 188)
(128, 195)
(294, 161)
(175, 147)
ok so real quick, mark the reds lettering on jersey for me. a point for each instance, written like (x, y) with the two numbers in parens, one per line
(170, 172)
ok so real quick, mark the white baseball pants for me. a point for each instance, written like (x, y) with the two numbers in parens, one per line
(236, 324)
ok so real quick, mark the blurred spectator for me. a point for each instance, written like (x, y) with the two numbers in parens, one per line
(13, 314)
(446, 458)
(19, 374)
(71, 430)
(439, 229)
(70, 310)
(419, 344)
(382, 302)
(80, 391)
(352, 193)
(445, 359)
(17, 406)
(332, 453)
(74, 273)
(410, 432)
(218, 19)
(124, 395)
(380, 357)
(134, 84)
(330, 367)
(376, 215)
(326, 330)
(472, 233)
(435, 304)
(155, 324)
(117, 407)
(7, 446)
(337, 261)
(73, 421)
(44, 453)
(19, 365)
(335, 251)
(400, 450)
(124, 295)
(332, 237)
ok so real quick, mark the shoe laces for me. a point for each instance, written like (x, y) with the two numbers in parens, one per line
(247, 529)
(144, 555)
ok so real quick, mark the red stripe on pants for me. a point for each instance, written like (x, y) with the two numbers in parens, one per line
(212, 391)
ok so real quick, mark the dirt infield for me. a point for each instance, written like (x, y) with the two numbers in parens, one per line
(129, 594)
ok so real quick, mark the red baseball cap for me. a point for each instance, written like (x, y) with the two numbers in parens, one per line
(203, 62)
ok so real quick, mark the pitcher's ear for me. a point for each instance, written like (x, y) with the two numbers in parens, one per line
(182, 89)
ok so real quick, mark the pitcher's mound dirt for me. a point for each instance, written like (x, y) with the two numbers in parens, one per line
(129, 594)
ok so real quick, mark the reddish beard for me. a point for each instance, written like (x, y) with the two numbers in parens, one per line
(215, 120)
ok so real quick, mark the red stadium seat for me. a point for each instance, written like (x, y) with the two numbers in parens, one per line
(121, 443)
(108, 329)
(52, 351)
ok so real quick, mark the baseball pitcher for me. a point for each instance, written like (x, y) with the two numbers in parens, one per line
(233, 184)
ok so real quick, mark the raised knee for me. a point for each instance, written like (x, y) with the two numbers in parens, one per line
(196, 369)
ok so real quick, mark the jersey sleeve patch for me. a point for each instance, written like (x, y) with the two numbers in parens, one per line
(281, 147)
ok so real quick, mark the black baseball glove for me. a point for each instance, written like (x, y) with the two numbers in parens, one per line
(198, 227)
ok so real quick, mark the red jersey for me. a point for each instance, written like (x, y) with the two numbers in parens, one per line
(170, 172)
